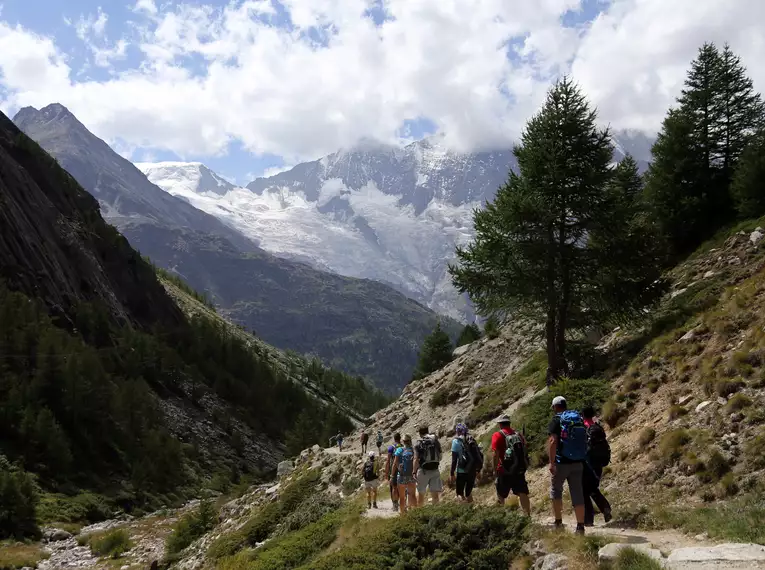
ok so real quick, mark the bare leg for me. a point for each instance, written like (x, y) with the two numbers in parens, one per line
(436, 497)
(525, 503)
(557, 505)
(579, 511)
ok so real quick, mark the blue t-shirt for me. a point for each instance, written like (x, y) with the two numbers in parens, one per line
(457, 447)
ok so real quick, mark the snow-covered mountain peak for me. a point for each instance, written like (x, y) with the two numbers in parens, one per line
(185, 178)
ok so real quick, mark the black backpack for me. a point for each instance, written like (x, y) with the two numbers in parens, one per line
(472, 457)
(369, 470)
(516, 460)
(429, 453)
(598, 450)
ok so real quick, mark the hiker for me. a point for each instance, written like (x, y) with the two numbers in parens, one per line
(567, 451)
(598, 456)
(468, 461)
(380, 441)
(426, 466)
(510, 463)
(390, 475)
(403, 468)
(339, 440)
(371, 480)
(364, 440)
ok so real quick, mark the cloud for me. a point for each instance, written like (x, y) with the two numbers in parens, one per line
(317, 75)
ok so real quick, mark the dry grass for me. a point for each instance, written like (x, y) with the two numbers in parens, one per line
(20, 555)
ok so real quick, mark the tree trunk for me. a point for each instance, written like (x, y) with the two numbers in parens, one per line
(552, 352)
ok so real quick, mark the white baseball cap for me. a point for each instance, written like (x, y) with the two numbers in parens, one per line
(558, 401)
(371, 454)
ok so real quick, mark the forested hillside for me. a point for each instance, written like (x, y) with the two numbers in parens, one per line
(93, 353)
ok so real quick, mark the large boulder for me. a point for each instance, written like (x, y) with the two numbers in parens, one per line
(56, 535)
(551, 562)
(729, 556)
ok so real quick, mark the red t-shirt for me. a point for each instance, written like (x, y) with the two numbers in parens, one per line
(498, 443)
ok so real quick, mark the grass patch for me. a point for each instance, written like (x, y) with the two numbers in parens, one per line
(582, 551)
(631, 559)
(14, 556)
(673, 443)
(311, 510)
(447, 537)
(491, 400)
(736, 520)
(755, 451)
(82, 508)
(265, 521)
(112, 543)
(190, 527)
(676, 411)
(738, 403)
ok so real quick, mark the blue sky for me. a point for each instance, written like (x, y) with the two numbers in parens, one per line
(247, 86)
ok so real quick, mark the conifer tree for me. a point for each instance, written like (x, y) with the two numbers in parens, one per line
(748, 188)
(534, 253)
(436, 352)
(697, 151)
(470, 333)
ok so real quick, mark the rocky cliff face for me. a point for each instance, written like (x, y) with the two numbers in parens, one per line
(55, 246)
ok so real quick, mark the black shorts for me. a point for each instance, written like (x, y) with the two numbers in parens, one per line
(515, 483)
(465, 484)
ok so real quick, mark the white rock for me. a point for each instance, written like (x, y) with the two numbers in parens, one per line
(709, 274)
(722, 401)
(460, 350)
(284, 468)
(552, 562)
(730, 555)
(756, 236)
(685, 399)
(678, 292)
(610, 551)
(690, 335)
(703, 405)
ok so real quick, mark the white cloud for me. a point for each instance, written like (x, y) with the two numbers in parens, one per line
(212, 75)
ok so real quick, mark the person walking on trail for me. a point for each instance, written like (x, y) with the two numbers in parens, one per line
(598, 456)
(426, 466)
(339, 440)
(511, 460)
(364, 441)
(467, 459)
(403, 468)
(380, 441)
(567, 451)
(371, 479)
(390, 475)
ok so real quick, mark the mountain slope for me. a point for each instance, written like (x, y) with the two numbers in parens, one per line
(106, 384)
(379, 212)
(361, 327)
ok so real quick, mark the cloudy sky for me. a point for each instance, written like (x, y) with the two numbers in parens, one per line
(249, 86)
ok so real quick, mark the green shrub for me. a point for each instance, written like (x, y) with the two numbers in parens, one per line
(613, 414)
(18, 503)
(311, 510)
(190, 527)
(445, 396)
(82, 508)
(290, 550)
(260, 526)
(469, 334)
(725, 387)
(717, 465)
(755, 451)
(738, 402)
(351, 484)
(536, 415)
(677, 411)
(491, 327)
(728, 485)
(647, 435)
(113, 543)
(672, 444)
(446, 537)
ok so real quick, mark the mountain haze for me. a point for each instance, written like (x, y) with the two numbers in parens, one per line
(360, 326)
(373, 211)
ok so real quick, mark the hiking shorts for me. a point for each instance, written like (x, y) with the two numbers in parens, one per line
(405, 479)
(515, 483)
(465, 484)
(372, 484)
(429, 478)
(571, 472)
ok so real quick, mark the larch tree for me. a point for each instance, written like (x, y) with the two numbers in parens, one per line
(543, 247)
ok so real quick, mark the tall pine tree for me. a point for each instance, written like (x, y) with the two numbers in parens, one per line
(535, 252)
(698, 149)
(748, 188)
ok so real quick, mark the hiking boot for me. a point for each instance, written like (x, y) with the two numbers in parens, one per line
(607, 515)
(559, 525)
(579, 529)
(374, 505)
(369, 505)
(395, 505)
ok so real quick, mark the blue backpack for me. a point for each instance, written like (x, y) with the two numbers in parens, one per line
(573, 436)
(406, 463)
